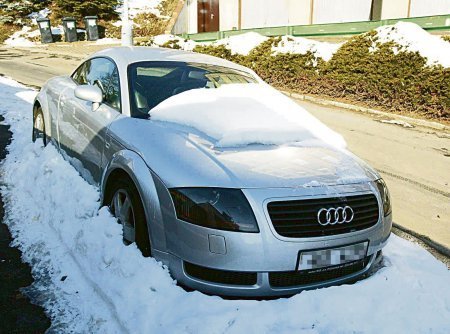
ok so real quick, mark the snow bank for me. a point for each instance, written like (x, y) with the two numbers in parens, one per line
(241, 114)
(411, 37)
(184, 44)
(24, 37)
(21, 38)
(242, 44)
(300, 45)
(107, 41)
(141, 6)
(42, 14)
(110, 288)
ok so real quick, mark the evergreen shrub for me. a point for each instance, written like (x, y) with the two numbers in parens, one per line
(381, 76)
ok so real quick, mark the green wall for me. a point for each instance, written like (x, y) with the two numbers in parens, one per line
(439, 22)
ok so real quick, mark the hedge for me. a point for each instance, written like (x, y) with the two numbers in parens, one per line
(398, 81)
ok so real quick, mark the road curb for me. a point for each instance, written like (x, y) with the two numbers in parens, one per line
(426, 240)
(411, 120)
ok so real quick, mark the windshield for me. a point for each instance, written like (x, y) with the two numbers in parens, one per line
(152, 82)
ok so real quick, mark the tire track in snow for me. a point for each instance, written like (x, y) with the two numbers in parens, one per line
(100, 293)
(418, 184)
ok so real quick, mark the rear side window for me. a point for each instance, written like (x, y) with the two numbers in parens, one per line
(103, 73)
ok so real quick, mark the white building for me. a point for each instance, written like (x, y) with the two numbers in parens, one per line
(213, 15)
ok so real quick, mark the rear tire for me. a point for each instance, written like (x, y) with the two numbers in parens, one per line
(39, 126)
(124, 202)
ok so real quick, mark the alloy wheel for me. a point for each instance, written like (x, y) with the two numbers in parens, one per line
(39, 127)
(122, 208)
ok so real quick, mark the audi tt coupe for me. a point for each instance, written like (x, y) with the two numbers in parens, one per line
(251, 220)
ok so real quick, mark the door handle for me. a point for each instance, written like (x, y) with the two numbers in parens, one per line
(212, 16)
(107, 139)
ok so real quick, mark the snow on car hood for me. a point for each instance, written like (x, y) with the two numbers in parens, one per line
(182, 156)
(241, 114)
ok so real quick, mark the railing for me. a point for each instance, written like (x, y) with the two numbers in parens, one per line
(438, 22)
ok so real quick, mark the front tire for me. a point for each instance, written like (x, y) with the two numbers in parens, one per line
(39, 126)
(125, 204)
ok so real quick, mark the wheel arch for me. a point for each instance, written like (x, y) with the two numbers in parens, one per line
(40, 101)
(126, 163)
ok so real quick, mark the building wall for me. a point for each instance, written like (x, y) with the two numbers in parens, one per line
(326, 11)
(181, 25)
(394, 9)
(187, 20)
(299, 12)
(192, 16)
(272, 13)
(229, 19)
(429, 7)
(399, 8)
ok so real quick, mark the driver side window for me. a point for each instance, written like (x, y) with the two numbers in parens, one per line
(103, 73)
(80, 74)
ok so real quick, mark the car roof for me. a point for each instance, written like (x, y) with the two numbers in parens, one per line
(123, 56)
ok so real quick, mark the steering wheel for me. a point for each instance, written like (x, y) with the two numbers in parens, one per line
(99, 84)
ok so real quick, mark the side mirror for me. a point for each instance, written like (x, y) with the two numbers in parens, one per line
(91, 94)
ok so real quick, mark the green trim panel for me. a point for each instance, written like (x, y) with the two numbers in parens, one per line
(439, 22)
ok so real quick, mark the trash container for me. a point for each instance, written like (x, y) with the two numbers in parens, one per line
(45, 30)
(90, 23)
(70, 29)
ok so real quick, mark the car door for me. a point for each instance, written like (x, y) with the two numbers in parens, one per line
(90, 124)
(67, 125)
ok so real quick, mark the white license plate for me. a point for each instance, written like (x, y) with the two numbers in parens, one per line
(332, 257)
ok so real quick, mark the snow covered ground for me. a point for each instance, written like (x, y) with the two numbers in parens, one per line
(88, 281)
(22, 37)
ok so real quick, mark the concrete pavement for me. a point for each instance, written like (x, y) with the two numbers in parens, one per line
(415, 162)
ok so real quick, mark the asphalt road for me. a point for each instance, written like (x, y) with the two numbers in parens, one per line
(415, 162)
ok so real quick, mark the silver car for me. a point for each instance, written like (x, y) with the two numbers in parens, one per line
(249, 229)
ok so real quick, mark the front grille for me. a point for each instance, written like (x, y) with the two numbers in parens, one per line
(220, 276)
(306, 277)
(298, 219)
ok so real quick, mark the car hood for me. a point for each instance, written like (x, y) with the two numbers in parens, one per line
(185, 157)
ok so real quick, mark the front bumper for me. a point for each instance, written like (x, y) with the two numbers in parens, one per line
(265, 252)
(263, 286)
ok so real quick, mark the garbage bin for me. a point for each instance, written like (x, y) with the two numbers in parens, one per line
(90, 23)
(45, 30)
(70, 29)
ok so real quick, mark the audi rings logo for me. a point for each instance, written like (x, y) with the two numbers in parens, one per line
(334, 216)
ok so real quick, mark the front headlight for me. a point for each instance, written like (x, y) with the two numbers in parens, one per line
(219, 208)
(385, 197)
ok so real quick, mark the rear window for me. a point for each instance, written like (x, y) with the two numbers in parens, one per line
(150, 83)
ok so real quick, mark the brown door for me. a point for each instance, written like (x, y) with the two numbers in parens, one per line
(208, 15)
